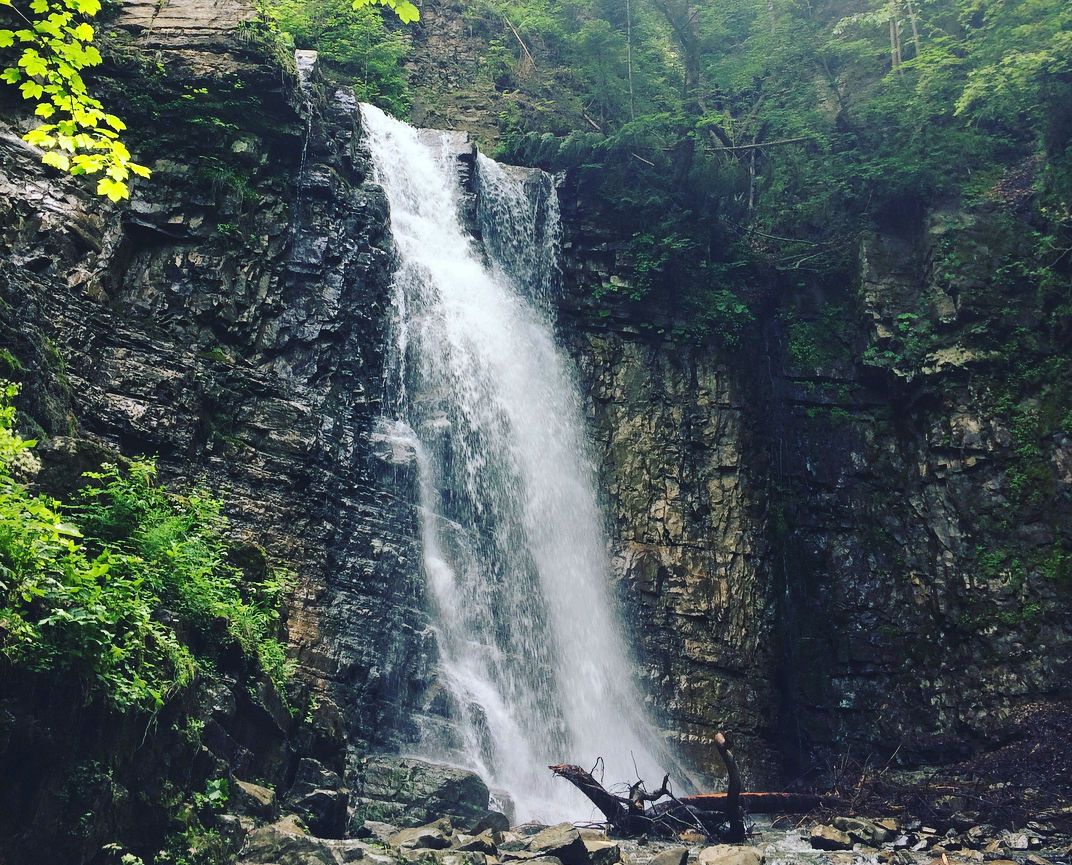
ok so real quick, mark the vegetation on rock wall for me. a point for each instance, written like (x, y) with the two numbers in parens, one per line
(357, 46)
(47, 44)
(131, 588)
(762, 139)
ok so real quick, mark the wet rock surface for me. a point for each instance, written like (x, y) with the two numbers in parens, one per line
(408, 792)
(812, 533)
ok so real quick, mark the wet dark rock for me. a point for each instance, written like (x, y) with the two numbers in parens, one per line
(829, 838)
(495, 821)
(671, 856)
(409, 792)
(253, 800)
(319, 798)
(562, 842)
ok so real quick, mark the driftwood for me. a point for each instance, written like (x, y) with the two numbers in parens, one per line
(628, 816)
(714, 815)
(764, 803)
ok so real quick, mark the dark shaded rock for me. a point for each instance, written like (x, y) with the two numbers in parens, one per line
(563, 842)
(408, 792)
(495, 821)
(252, 800)
(829, 838)
(318, 797)
(671, 856)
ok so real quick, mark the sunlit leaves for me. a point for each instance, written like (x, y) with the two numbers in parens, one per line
(49, 51)
(406, 11)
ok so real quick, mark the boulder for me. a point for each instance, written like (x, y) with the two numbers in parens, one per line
(1017, 841)
(497, 821)
(862, 831)
(252, 800)
(671, 856)
(602, 852)
(373, 829)
(434, 836)
(285, 843)
(486, 842)
(319, 798)
(410, 793)
(456, 857)
(563, 842)
(730, 854)
(829, 838)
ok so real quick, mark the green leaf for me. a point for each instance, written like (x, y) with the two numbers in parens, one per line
(114, 190)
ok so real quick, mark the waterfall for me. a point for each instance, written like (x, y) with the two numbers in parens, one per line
(532, 656)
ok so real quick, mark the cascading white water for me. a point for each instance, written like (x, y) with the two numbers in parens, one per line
(531, 648)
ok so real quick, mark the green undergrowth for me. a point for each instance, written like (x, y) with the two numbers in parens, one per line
(358, 47)
(129, 586)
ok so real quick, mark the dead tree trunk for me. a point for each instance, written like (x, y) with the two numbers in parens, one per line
(733, 791)
(718, 815)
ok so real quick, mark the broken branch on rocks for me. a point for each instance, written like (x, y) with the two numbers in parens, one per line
(715, 815)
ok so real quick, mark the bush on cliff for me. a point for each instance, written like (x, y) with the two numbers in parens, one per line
(129, 587)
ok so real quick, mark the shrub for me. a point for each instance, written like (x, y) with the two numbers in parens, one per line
(120, 586)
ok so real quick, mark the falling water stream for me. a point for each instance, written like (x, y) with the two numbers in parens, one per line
(531, 650)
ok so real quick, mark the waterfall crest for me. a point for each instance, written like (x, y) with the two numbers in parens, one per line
(531, 650)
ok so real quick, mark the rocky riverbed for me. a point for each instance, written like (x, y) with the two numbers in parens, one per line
(320, 822)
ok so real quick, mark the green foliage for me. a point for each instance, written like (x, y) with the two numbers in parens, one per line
(217, 792)
(819, 342)
(130, 588)
(407, 13)
(354, 44)
(51, 43)
(762, 139)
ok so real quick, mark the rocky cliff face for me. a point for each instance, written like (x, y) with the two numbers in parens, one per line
(232, 321)
(852, 536)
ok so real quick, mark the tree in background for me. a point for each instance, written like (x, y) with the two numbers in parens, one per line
(354, 43)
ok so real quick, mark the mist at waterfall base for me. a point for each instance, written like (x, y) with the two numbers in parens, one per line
(531, 650)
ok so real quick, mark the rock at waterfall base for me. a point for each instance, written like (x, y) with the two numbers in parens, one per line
(287, 843)
(409, 793)
(563, 842)
(862, 831)
(602, 851)
(434, 836)
(672, 856)
(829, 838)
(730, 854)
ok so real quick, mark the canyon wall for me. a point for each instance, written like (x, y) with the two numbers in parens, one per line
(850, 532)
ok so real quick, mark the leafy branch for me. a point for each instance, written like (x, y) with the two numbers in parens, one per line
(78, 136)
(406, 11)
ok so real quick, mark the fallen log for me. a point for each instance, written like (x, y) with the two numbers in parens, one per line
(628, 816)
(763, 803)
